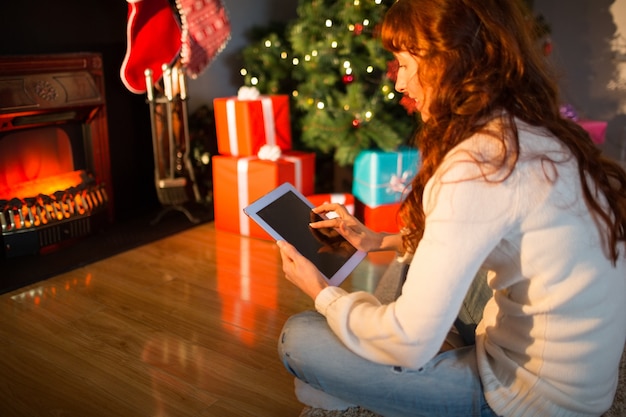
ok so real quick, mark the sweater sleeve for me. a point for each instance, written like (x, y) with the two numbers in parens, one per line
(466, 217)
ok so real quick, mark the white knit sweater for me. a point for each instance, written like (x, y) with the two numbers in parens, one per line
(552, 335)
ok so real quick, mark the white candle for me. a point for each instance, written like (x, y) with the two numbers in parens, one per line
(149, 84)
(182, 84)
(167, 81)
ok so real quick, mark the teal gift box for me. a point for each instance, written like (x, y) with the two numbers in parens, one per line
(384, 177)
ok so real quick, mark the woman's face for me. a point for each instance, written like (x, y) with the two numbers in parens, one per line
(409, 83)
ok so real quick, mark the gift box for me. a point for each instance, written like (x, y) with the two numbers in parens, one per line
(382, 218)
(243, 126)
(340, 198)
(595, 128)
(238, 181)
(384, 177)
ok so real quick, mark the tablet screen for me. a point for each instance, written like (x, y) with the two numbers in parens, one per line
(285, 214)
(290, 217)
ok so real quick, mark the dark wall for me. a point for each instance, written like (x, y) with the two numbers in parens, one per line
(42, 27)
(591, 71)
(222, 78)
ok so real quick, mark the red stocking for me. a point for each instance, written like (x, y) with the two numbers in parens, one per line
(153, 39)
(206, 30)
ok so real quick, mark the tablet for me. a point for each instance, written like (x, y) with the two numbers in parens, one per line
(285, 214)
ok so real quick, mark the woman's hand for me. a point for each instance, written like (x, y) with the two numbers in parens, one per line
(354, 231)
(300, 271)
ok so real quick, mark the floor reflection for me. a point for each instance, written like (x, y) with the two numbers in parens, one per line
(246, 284)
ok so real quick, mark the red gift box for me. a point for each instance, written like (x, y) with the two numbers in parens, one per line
(238, 181)
(341, 198)
(383, 218)
(243, 126)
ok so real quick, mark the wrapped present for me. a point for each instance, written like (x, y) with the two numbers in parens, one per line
(238, 181)
(247, 122)
(595, 128)
(382, 218)
(340, 198)
(383, 177)
(381, 258)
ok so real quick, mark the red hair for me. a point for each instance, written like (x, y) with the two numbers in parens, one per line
(482, 57)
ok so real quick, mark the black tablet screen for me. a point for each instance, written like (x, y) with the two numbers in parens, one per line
(290, 217)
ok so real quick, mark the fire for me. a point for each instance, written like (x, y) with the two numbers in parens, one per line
(47, 186)
(38, 181)
(56, 198)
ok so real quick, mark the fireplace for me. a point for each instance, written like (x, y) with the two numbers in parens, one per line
(55, 179)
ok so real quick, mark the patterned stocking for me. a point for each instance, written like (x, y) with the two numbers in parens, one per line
(206, 30)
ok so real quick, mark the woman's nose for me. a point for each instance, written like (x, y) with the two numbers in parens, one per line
(400, 86)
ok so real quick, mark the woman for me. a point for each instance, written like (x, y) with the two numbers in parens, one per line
(507, 185)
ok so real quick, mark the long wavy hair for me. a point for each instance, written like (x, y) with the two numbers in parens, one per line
(483, 60)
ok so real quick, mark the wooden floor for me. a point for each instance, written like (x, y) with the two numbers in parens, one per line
(185, 326)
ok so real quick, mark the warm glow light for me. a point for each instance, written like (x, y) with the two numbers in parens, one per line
(320, 105)
(329, 23)
(254, 80)
(43, 293)
(295, 61)
(19, 164)
(268, 43)
(47, 185)
(333, 44)
(247, 302)
(243, 72)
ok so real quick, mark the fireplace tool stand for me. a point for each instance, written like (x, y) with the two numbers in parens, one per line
(173, 170)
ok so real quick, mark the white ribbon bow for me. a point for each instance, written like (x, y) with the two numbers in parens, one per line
(397, 184)
(269, 152)
(248, 93)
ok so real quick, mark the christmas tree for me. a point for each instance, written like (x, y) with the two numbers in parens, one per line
(330, 60)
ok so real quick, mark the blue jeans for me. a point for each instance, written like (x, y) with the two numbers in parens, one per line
(448, 385)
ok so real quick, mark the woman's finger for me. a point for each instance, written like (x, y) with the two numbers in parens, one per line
(328, 223)
(328, 207)
(287, 251)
